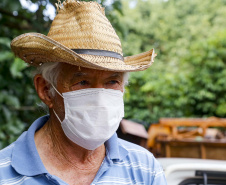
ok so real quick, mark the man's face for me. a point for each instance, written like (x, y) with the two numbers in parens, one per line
(71, 78)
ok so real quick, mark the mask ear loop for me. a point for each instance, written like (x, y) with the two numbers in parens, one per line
(53, 109)
(57, 91)
(57, 116)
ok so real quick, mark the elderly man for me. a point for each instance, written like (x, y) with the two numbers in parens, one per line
(80, 76)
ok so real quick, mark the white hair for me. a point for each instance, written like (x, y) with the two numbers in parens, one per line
(50, 72)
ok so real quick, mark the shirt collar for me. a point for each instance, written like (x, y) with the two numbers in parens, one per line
(26, 160)
(115, 150)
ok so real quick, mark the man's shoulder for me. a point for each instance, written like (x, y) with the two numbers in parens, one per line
(6, 161)
(134, 149)
(6, 152)
(138, 154)
(142, 163)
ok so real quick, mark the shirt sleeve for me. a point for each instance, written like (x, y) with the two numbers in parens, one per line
(159, 176)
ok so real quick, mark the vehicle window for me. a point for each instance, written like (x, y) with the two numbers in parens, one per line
(200, 182)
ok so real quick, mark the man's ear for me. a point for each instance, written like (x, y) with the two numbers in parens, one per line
(42, 88)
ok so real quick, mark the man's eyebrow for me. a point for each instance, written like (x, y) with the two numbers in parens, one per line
(79, 74)
(116, 75)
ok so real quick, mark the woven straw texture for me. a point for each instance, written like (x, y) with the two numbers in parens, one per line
(79, 25)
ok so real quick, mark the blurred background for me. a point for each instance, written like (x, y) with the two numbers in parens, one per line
(187, 80)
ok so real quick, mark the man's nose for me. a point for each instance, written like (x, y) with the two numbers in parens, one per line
(98, 85)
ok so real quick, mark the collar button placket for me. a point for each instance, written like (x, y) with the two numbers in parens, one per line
(107, 163)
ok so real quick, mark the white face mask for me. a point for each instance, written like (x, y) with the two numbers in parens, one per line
(92, 115)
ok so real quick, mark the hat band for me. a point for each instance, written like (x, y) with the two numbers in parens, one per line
(98, 52)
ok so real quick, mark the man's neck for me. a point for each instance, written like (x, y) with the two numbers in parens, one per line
(58, 153)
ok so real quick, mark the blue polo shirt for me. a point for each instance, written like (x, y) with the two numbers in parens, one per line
(124, 163)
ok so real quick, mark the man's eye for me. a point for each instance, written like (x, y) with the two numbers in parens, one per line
(113, 82)
(83, 82)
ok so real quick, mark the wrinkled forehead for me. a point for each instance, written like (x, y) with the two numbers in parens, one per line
(69, 72)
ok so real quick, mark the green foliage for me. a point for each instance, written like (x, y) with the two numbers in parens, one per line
(15, 88)
(187, 78)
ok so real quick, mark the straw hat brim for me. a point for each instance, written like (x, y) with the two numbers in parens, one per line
(36, 49)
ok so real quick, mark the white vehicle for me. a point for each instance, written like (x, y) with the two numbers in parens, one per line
(187, 171)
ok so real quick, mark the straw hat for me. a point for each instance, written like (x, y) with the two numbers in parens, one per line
(80, 35)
